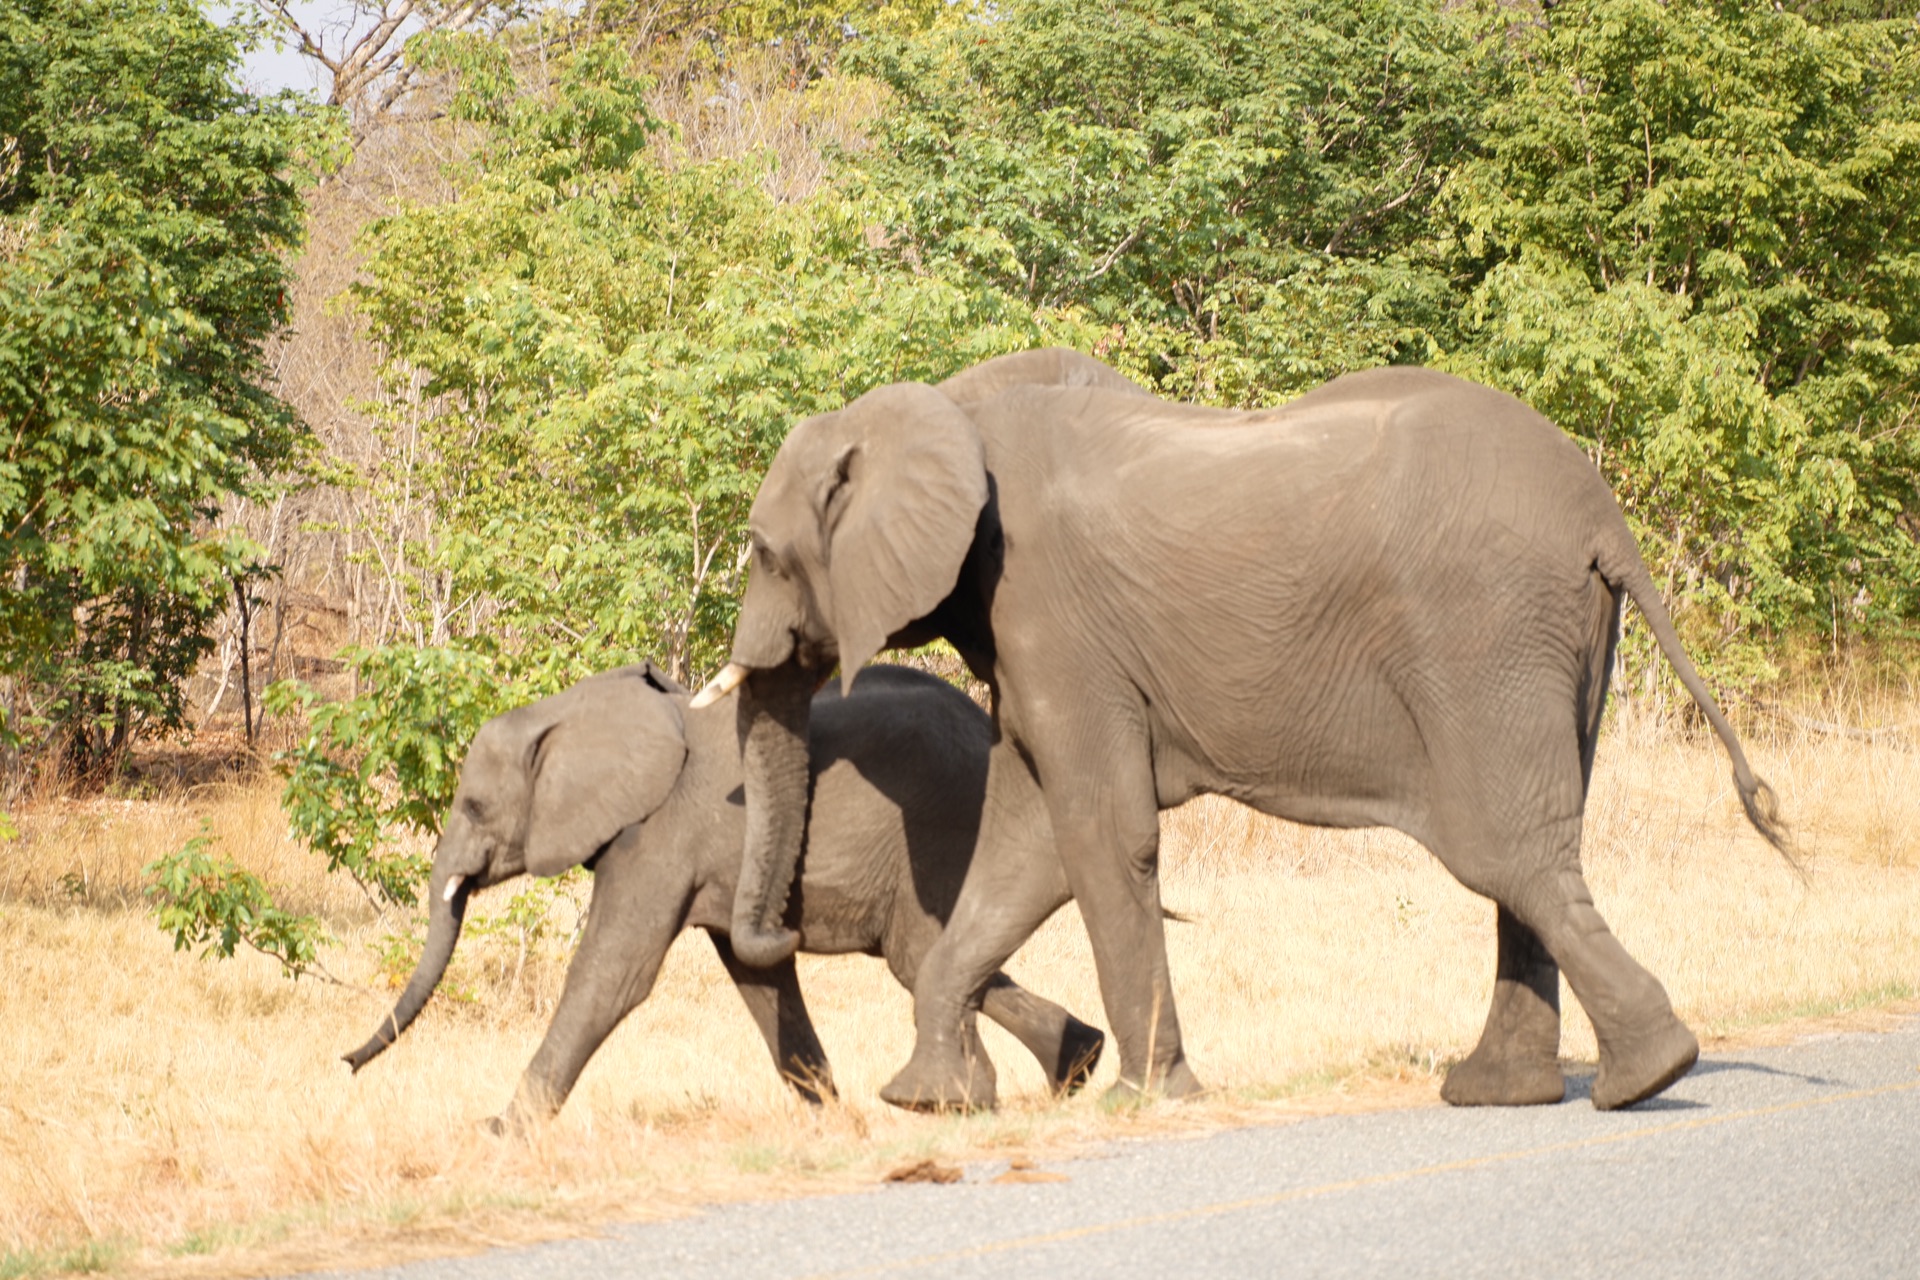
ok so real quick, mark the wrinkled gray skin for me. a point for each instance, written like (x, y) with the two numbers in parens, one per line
(618, 774)
(1393, 602)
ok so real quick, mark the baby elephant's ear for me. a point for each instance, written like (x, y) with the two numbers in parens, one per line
(608, 760)
(656, 677)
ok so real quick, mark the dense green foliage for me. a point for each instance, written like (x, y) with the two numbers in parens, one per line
(145, 211)
(386, 763)
(1706, 264)
(614, 341)
(1687, 231)
(1241, 192)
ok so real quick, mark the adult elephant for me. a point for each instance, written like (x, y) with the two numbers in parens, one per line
(616, 773)
(1393, 602)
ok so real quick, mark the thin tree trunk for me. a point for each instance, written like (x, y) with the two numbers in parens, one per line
(246, 641)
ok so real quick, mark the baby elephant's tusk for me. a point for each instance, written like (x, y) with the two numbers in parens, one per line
(453, 887)
(720, 686)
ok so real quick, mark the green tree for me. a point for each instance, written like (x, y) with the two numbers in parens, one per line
(1685, 231)
(611, 339)
(146, 207)
(204, 899)
(1239, 191)
(385, 764)
(1704, 221)
(601, 342)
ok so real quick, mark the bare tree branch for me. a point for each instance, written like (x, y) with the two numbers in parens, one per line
(375, 56)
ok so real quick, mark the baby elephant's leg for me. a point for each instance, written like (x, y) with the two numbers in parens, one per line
(634, 918)
(773, 997)
(1068, 1049)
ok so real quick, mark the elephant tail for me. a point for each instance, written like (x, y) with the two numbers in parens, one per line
(446, 913)
(1628, 572)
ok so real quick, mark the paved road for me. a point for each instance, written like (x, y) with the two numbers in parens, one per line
(1793, 1162)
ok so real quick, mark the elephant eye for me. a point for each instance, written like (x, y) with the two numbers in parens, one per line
(768, 560)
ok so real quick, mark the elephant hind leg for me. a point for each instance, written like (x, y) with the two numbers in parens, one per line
(1068, 1049)
(1517, 1062)
(1511, 831)
(772, 996)
(1547, 915)
(1644, 1047)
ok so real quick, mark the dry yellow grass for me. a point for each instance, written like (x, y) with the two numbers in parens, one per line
(163, 1114)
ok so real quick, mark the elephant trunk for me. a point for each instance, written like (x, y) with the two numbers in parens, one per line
(775, 705)
(445, 914)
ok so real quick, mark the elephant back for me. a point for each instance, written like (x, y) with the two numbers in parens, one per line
(1045, 367)
(901, 721)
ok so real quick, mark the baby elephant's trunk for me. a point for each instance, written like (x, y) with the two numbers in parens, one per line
(449, 908)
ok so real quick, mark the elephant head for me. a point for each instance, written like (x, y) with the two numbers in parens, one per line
(860, 528)
(544, 788)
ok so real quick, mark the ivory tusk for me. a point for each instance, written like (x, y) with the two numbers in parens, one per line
(720, 686)
(453, 887)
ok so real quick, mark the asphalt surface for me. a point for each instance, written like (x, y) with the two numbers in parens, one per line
(1798, 1161)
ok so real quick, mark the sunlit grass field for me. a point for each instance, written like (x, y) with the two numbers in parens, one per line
(160, 1113)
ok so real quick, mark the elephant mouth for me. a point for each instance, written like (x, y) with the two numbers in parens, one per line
(735, 674)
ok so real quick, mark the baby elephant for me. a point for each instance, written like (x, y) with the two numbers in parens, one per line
(619, 775)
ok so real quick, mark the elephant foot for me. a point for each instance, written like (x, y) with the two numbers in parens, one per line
(1179, 1082)
(1080, 1047)
(533, 1105)
(1487, 1078)
(1634, 1068)
(942, 1082)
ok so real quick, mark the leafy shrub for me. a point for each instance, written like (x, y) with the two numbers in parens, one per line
(203, 899)
(383, 765)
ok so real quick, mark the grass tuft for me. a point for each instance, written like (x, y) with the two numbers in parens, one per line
(86, 1258)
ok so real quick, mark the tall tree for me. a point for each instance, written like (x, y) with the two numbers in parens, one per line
(611, 339)
(146, 208)
(1704, 225)
(1684, 229)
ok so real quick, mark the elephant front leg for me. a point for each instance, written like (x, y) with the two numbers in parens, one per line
(1517, 1062)
(1106, 832)
(634, 917)
(1067, 1049)
(1013, 884)
(772, 996)
(1110, 840)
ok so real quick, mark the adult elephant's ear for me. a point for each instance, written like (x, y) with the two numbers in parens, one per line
(608, 760)
(898, 509)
